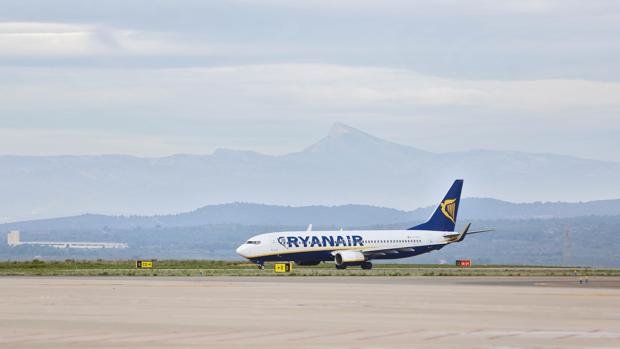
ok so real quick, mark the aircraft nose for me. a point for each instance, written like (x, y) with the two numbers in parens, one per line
(240, 250)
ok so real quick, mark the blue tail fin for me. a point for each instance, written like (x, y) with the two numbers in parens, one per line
(444, 217)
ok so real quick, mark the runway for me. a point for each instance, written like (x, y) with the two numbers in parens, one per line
(306, 312)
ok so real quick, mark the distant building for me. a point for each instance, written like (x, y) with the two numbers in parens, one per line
(13, 239)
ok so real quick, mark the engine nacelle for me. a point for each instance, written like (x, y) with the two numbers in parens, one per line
(344, 257)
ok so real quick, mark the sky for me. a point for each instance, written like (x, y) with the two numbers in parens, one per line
(159, 77)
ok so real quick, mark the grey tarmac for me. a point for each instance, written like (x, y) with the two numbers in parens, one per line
(309, 312)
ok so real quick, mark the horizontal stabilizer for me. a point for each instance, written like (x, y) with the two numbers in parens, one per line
(480, 231)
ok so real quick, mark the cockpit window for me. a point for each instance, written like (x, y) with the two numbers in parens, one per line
(253, 242)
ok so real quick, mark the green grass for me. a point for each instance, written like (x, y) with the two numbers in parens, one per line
(238, 268)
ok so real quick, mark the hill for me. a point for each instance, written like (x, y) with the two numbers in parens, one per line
(327, 216)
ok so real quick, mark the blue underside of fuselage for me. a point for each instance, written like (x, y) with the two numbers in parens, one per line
(326, 255)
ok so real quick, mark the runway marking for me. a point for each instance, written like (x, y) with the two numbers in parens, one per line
(201, 335)
(505, 335)
(124, 337)
(97, 336)
(392, 334)
(193, 335)
(43, 338)
(153, 338)
(249, 337)
(29, 337)
(18, 337)
(80, 335)
(325, 335)
(440, 336)
(146, 338)
(177, 336)
(223, 333)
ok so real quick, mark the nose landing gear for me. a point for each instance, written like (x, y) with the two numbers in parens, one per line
(260, 265)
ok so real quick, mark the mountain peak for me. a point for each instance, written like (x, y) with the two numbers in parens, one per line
(344, 140)
(339, 129)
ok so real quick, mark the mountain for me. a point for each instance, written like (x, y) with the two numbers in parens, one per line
(335, 217)
(347, 166)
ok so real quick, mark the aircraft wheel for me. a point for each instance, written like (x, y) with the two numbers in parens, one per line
(341, 267)
(366, 265)
(261, 266)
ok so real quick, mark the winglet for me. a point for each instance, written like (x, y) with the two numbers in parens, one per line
(450, 238)
(461, 236)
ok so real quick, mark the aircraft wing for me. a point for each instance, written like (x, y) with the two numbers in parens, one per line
(450, 238)
(386, 251)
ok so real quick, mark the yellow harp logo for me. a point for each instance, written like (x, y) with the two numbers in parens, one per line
(448, 207)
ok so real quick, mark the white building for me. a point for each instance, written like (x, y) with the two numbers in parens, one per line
(13, 239)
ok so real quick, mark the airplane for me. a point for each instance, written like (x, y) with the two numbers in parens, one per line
(359, 247)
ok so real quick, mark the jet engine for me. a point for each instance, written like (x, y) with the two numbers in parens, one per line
(344, 257)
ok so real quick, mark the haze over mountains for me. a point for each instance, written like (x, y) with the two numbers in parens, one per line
(347, 166)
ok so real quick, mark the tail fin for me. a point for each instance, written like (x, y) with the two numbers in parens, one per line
(444, 217)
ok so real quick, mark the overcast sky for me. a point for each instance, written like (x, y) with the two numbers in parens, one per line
(154, 77)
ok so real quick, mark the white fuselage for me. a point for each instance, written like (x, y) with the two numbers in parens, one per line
(312, 246)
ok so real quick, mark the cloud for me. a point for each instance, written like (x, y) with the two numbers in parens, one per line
(157, 70)
(262, 107)
(445, 7)
(468, 39)
(78, 142)
(301, 85)
(19, 39)
(355, 87)
(42, 40)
